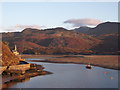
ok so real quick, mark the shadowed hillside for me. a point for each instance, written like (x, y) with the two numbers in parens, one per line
(109, 44)
(101, 29)
(108, 33)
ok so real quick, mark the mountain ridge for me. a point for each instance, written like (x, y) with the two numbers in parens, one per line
(103, 28)
(62, 41)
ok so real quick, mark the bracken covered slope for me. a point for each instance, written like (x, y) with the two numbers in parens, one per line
(8, 58)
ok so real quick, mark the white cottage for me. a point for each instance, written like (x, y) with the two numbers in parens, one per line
(15, 51)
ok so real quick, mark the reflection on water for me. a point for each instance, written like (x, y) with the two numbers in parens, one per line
(14, 82)
(72, 76)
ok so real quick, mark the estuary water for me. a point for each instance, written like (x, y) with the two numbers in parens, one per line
(71, 76)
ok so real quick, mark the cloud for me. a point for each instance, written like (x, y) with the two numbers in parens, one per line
(83, 22)
(28, 26)
(19, 27)
(8, 29)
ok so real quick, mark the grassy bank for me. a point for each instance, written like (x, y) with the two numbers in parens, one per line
(106, 61)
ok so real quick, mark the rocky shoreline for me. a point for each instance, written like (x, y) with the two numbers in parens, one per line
(17, 77)
(13, 68)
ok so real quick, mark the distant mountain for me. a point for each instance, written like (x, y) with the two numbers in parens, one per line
(83, 29)
(50, 41)
(108, 34)
(103, 28)
(103, 39)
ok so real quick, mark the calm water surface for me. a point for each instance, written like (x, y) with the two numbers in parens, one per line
(72, 76)
(34, 59)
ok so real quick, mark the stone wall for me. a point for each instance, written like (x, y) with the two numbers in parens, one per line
(21, 67)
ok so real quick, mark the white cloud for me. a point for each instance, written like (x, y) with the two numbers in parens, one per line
(19, 27)
(83, 22)
(27, 26)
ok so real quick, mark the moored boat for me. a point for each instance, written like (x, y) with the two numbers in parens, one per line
(88, 66)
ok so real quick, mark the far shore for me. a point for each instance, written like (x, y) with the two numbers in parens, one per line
(105, 61)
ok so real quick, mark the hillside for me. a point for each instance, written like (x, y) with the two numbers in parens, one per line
(82, 29)
(103, 39)
(8, 58)
(103, 28)
(51, 41)
(109, 44)
(108, 33)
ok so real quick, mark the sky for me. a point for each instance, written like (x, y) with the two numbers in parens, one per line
(19, 15)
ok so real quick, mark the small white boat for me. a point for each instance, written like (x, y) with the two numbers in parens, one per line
(88, 66)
